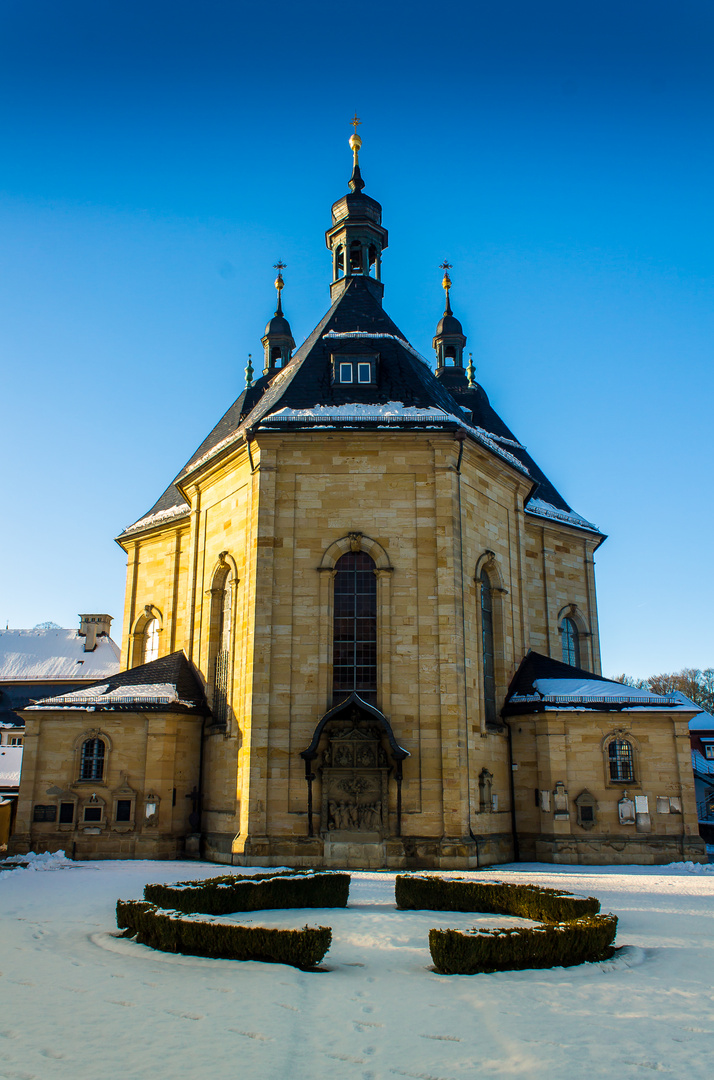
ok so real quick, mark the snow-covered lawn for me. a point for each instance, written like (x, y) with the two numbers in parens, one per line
(79, 1003)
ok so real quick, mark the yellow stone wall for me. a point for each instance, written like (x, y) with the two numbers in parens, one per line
(438, 510)
(148, 754)
(571, 748)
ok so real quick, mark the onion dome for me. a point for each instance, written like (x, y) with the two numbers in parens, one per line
(449, 341)
(278, 342)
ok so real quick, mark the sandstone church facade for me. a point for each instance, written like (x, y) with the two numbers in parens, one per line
(361, 630)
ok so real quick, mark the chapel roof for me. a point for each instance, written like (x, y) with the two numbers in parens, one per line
(543, 684)
(168, 684)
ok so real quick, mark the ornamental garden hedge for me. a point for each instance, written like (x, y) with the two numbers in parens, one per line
(282, 889)
(572, 932)
(168, 917)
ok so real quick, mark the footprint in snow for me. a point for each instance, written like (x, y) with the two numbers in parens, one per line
(50, 1053)
(252, 1035)
(182, 1015)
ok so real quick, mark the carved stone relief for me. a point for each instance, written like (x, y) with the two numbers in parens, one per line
(355, 774)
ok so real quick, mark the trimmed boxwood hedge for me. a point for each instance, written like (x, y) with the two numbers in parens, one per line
(280, 889)
(550, 945)
(433, 893)
(174, 931)
(574, 931)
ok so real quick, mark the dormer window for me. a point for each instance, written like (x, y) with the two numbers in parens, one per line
(354, 370)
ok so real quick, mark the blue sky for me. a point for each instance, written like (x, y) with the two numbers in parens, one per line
(157, 158)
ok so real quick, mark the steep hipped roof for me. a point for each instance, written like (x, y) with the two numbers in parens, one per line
(39, 655)
(542, 684)
(304, 394)
(165, 685)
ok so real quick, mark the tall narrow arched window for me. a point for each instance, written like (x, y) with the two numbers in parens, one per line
(151, 641)
(354, 658)
(487, 658)
(92, 760)
(570, 643)
(223, 652)
(621, 760)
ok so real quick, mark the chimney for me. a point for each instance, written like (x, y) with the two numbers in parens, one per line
(93, 626)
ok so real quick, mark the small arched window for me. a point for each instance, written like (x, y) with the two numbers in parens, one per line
(570, 643)
(92, 760)
(151, 641)
(356, 257)
(487, 654)
(621, 760)
(354, 658)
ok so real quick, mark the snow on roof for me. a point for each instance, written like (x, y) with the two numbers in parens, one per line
(394, 412)
(102, 696)
(703, 722)
(556, 692)
(39, 655)
(10, 766)
(369, 334)
(545, 509)
(160, 516)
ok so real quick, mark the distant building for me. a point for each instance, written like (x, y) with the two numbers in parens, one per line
(701, 733)
(36, 664)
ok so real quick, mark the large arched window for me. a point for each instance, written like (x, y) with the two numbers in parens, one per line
(151, 641)
(354, 658)
(221, 676)
(570, 642)
(92, 760)
(487, 657)
(621, 760)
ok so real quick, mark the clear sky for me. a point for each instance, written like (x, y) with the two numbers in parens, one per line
(157, 158)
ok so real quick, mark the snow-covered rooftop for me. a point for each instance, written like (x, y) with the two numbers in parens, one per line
(10, 766)
(556, 693)
(102, 696)
(40, 655)
(545, 509)
(704, 721)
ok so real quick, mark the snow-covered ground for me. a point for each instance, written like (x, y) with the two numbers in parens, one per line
(78, 1002)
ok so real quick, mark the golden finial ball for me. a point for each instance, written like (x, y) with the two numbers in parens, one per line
(355, 142)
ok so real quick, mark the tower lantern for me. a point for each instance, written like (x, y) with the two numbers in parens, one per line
(356, 238)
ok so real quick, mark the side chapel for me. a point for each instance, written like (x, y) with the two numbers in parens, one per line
(361, 630)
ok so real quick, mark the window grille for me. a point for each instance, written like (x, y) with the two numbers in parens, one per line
(621, 760)
(570, 643)
(354, 662)
(92, 764)
(151, 641)
(487, 657)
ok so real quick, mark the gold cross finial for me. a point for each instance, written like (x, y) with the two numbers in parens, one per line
(280, 265)
(355, 121)
(446, 280)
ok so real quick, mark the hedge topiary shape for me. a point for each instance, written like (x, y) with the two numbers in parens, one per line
(173, 931)
(229, 893)
(574, 932)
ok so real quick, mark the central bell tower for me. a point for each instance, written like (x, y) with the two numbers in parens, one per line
(356, 238)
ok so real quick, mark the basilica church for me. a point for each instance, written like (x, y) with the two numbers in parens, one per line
(360, 630)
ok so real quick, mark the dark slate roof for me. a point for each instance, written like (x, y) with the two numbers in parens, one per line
(404, 377)
(173, 671)
(484, 415)
(542, 683)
